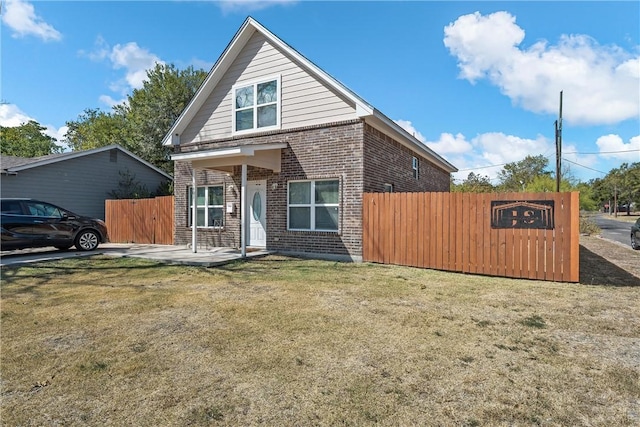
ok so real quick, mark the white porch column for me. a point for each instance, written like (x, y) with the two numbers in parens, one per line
(194, 211)
(243, 216)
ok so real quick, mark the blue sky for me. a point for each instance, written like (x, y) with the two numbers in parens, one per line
(478, 82)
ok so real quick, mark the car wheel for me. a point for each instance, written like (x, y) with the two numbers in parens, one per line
(87, 240)
(63, 248)
(634, 243)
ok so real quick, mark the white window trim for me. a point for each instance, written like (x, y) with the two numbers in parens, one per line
(415, 166)
(312, 205)
(255, 84)
(205, 206)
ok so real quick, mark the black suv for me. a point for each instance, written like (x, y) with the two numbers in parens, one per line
(28, 223)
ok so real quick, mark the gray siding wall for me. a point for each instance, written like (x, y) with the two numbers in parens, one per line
(80, 185)
(305, 101)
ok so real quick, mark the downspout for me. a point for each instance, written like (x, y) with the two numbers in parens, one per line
(243, 203)
(194, 212)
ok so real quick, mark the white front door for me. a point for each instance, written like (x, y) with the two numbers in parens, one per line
(257, 218)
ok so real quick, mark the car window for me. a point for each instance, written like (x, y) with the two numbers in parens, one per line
(43, 209)
(11, 207)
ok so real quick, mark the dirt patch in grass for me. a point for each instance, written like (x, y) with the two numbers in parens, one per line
(281, 341)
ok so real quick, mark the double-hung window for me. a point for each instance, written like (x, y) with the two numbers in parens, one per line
(314, 205)
(415, 165)
(209, 206)
(256, 105)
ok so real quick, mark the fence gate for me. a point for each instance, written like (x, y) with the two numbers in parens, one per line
(140, 220)
(525, 235)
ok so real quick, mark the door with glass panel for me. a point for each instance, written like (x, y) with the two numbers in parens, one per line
(257, 218)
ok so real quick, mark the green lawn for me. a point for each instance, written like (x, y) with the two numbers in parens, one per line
(287, 342)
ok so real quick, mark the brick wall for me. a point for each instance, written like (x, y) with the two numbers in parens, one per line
(315, 152)
(359, 156)
(386, 161)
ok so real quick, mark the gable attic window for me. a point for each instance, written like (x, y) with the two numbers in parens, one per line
(256, 105)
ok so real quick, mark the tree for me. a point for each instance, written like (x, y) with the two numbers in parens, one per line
(620, 186)
(151, 111)
(587, 200)
(546, 183)
(515, 176)
(129, 187)
(140, 123)
(626, 183)
(474, 183)
(27, 140)
(95, 128)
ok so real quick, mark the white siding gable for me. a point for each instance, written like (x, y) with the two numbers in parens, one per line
(305, 100)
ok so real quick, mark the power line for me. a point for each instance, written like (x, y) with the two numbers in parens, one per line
(482, 167)
(602, 152)
(583, 166)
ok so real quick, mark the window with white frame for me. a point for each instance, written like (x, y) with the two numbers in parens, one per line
(415, 165)
(314, 205)
(209, 206)
(256, 105)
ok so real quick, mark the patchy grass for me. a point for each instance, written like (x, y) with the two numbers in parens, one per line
(281, 341)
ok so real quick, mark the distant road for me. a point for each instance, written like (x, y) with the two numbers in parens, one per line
(613, 229)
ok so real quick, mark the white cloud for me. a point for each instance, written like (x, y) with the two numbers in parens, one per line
(231, 6)
(450, 144)
(134, 60)
(20, 16)
(111, 102)
(600, 83)
(613, 147)
(12, 116)
(498, 148)
(408, 126)
(100, 50)
(447, 144)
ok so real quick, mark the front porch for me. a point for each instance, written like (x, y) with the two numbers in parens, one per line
(250, 203)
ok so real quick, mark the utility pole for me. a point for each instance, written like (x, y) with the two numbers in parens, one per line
(615, 200)
(558, 126)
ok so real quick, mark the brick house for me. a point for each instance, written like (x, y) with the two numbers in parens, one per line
(280, 153)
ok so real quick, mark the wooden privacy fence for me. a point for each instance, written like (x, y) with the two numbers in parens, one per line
(140, 220)
(525, 235)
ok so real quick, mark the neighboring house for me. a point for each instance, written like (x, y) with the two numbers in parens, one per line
(79, 181)
(281, 153)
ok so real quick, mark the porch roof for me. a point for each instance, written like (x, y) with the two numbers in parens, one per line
(224, 159)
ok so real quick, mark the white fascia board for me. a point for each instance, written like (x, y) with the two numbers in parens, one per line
(245, 150)
(199, 155)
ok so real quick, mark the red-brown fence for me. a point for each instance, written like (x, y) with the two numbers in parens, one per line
(140, 220)
(525, 235)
